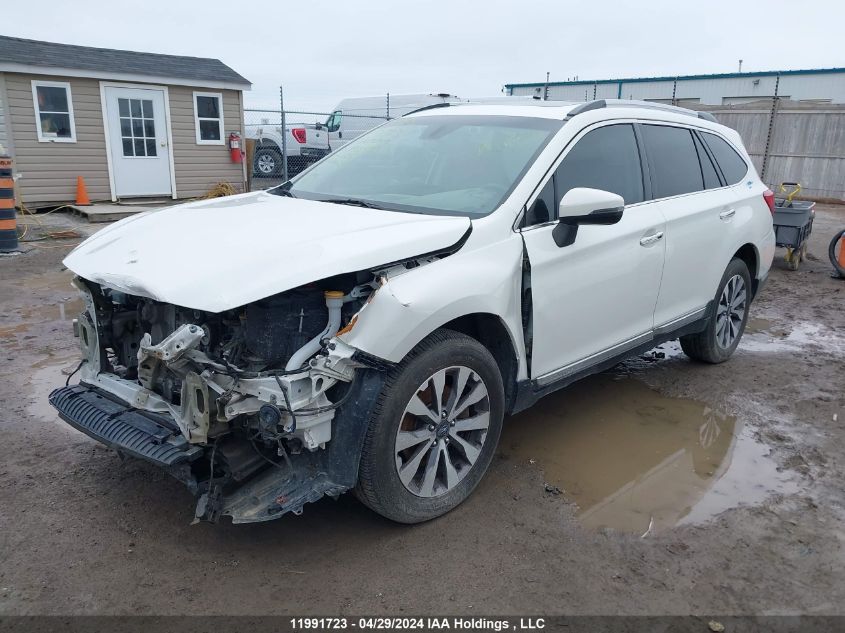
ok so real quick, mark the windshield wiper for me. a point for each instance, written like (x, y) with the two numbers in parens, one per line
(281, 190)
(354, 202)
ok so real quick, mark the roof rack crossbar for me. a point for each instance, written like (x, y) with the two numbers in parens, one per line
(634, 103)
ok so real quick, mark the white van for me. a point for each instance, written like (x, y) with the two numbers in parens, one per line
(352, 117)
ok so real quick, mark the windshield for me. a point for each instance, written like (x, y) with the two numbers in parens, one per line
(455, 165)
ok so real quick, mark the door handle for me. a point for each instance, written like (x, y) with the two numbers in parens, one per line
(651, 239)
(727, 215)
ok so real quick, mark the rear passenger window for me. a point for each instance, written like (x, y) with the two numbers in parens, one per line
(672, 160)
(606, 158)
(733, 166)
(711, 177)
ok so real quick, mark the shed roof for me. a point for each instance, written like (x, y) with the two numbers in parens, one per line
(21, 55)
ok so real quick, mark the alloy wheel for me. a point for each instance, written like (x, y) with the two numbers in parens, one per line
(442, 431)
(730, 312)
(266, 164)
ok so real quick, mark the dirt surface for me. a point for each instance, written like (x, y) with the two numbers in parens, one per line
(660, 487)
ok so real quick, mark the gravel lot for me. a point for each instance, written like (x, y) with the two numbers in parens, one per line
(660, 487)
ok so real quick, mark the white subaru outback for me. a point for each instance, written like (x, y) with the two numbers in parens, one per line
(368, 324)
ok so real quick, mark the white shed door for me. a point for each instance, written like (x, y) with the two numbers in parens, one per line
(137, 128)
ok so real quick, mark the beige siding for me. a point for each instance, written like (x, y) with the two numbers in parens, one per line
(200, 167)
(48, 171)
(4, 141)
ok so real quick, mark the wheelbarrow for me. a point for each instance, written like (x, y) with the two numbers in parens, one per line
(793, 222)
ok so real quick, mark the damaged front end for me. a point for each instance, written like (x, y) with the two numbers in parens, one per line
(258, 409)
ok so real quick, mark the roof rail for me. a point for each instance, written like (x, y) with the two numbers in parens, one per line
(633, 103)
(445, 104)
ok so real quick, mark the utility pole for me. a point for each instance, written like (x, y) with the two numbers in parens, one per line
(546, 89)
(284, 135)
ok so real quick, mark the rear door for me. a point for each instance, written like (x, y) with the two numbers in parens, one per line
(594, 298)
(689, 192)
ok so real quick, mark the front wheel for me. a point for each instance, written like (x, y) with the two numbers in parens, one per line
(434, 429)
(720, 338)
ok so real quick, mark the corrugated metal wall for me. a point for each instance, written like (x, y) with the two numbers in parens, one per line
(707, 91)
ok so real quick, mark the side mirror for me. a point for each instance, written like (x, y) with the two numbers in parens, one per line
(582, 205)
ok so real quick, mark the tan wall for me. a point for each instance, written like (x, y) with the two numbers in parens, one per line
(48, 171)
(3, 139)
(200, 167)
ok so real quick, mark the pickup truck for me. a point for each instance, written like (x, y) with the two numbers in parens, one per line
(307, 143)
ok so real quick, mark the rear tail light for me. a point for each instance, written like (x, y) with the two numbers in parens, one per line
(769, 197)
(299, 135)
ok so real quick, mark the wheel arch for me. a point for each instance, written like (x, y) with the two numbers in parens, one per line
(748, 253)
(490, 330)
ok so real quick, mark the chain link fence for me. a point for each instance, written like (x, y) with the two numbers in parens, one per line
(282, 143)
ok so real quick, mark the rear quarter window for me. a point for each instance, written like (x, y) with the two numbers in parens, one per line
(733, 167)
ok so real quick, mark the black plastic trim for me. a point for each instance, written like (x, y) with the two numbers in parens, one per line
(121, 427)
(528, 392)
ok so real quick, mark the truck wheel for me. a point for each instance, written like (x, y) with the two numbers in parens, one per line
(267, 162)
(433, 431)
(718, 341)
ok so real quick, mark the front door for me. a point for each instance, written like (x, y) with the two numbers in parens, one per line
(137, 127)
(594, 298)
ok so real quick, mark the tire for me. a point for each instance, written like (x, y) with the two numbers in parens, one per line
(416, 495)
(831, 253)
(712, 345)
(267, 163)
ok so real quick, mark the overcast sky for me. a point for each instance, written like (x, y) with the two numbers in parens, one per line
(322, 51)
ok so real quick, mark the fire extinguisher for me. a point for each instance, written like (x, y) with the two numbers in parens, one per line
(235, 148)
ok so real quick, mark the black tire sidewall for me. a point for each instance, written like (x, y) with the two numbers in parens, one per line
(736, 267)
(394, 500)
(277, 157)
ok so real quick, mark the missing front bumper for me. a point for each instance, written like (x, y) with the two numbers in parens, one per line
(268, 494)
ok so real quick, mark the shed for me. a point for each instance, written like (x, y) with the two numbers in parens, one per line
(131, 124)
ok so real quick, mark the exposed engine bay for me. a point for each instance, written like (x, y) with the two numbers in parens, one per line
(250, 389)
(214, 372)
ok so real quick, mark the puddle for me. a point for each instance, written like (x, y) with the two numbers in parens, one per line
(634, 460)
(801, 336)
(756, 325)
(48, 374)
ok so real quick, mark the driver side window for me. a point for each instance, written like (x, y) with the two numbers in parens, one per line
(606, 158)
(333, 122)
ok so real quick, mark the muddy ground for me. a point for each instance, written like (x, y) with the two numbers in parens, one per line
(660, 487)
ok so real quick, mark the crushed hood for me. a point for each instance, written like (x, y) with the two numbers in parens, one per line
(215, 255)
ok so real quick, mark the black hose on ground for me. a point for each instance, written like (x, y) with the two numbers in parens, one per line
(831, 252)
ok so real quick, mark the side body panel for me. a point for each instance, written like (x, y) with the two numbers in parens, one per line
(596, 293)
(411, 305)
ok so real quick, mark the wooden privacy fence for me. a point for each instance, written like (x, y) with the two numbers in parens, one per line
(792, 141)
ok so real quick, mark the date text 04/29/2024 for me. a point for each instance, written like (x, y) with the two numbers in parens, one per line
(417, 624)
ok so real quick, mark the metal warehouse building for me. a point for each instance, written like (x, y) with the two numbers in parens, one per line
(823, 85)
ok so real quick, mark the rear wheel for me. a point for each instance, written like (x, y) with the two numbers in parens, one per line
(267, 162)
(720, 338)
(434, 430)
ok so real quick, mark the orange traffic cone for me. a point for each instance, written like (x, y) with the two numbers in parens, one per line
(82, 198)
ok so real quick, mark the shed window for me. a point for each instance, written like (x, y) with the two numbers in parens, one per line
(208, 115)
(53, 112)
